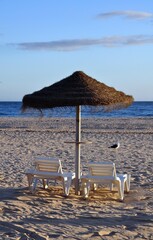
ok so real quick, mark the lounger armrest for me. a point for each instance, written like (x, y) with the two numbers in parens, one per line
(68, 174)
(29, 171)
(41, 173)
(92, 177)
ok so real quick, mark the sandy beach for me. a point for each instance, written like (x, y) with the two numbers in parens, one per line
(47, 214)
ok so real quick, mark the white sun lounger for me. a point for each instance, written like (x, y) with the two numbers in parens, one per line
(104, 173)
(47, 169)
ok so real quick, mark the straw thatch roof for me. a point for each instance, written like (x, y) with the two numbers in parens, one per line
(77, 89)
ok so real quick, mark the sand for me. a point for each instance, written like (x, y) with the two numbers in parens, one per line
(47, 214)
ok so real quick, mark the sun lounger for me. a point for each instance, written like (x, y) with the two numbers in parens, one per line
(47, 169)
(104, 173)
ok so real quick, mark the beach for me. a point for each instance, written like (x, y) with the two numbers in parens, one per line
(47, 214)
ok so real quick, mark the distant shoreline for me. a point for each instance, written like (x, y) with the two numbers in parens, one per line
(142, 124)
(136, 110)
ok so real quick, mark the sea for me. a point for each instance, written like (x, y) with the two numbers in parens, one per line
(141, 109)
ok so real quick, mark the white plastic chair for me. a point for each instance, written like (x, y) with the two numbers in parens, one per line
(47, 169)
(104, 173)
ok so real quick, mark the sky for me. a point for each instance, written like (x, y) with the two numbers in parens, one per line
(44, 41)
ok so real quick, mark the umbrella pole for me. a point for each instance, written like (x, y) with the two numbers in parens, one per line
(77, 156)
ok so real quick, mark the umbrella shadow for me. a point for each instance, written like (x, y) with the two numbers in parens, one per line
(11, 193)
(82, 219)
(130, 222)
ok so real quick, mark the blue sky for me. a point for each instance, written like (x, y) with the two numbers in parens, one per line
(42, 42)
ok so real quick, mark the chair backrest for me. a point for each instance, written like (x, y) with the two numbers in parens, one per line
(48, 165)
(102, 169)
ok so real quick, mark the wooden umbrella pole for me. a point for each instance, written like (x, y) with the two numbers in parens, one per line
(77, 157)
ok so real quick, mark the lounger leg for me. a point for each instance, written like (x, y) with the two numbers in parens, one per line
(85, 189)
(127, 183)
(30, 179)
(120, 186)
(66, 185)
(45, 183)
(122, 189)
(95, 186)
(35, 180)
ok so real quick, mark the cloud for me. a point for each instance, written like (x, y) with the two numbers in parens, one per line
(127, 14)
(76, 44)
(63, 45)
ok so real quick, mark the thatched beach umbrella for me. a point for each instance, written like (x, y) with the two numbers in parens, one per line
(74, 91)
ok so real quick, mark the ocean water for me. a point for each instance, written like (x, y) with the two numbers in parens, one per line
(137, 109)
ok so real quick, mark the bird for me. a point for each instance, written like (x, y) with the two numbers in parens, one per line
(115, 146)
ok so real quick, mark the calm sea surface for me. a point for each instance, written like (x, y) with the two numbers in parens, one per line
(137, 109)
